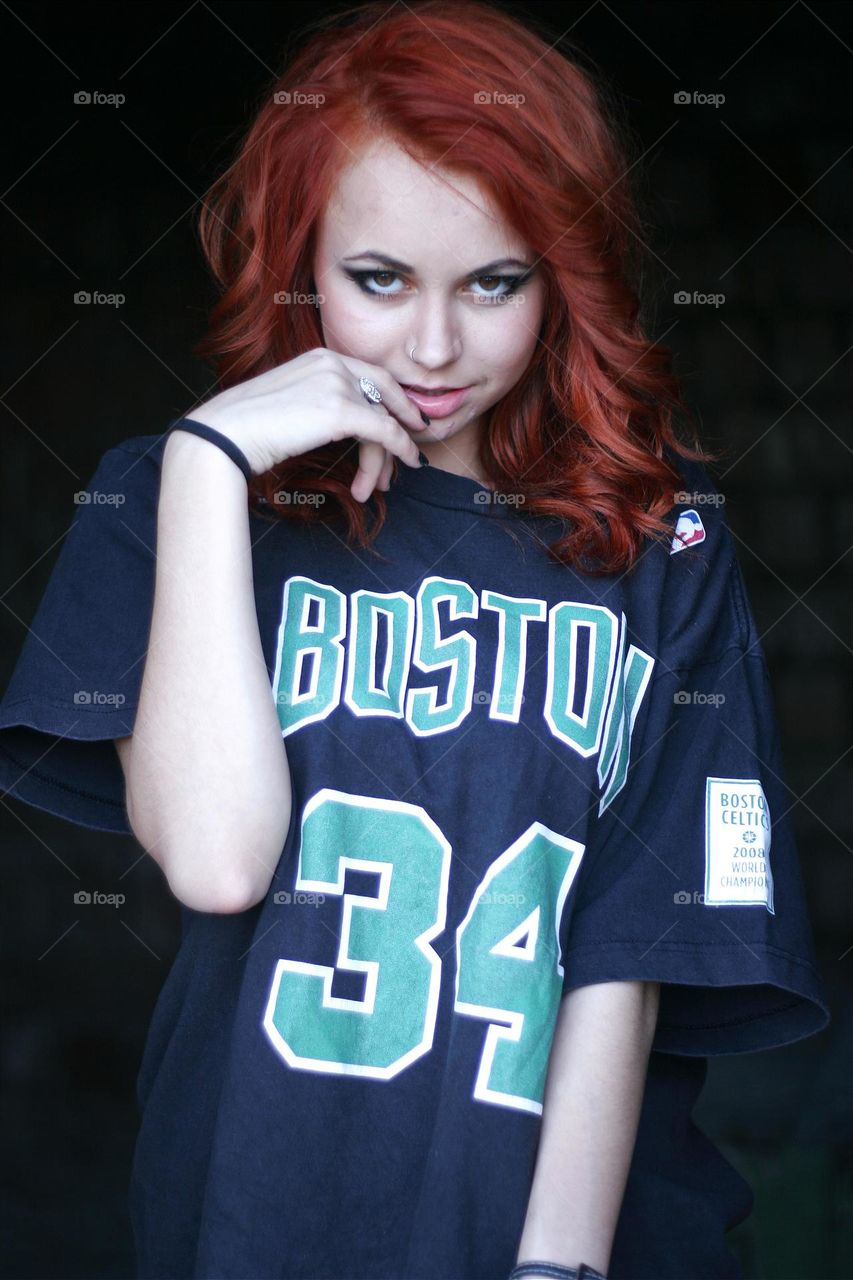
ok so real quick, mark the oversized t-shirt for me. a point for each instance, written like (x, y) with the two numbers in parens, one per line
(510, 779)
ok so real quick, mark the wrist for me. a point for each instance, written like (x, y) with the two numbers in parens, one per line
(224, 423)
(213, 442)
(539, 1269)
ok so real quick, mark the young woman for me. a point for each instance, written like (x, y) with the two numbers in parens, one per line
(470, 899)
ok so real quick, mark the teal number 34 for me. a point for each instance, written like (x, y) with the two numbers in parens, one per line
(507, 949)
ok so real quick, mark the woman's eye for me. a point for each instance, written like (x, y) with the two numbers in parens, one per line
(509, 286)
(506, 284)
(361, 278)
(374, 275)
(494, 279)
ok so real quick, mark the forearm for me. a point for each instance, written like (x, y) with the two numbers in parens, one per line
(591, 1107)
(208, 785)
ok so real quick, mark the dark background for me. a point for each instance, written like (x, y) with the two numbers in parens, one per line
(750, 199)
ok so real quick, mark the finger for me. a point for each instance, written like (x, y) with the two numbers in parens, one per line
(394, 398)
(385, 477)
(371, 459)
(379, 427)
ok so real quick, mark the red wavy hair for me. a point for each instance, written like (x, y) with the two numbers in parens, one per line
(584, 434)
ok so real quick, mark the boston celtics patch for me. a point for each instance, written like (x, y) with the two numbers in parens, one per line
(737, 844)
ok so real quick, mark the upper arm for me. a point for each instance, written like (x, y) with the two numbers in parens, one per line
(123, 750)
(203, 900)
(122, 746)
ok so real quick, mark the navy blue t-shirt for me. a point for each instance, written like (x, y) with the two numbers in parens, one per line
(510, 779)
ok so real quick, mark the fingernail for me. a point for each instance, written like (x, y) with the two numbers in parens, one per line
(424, 418)
(424, 460)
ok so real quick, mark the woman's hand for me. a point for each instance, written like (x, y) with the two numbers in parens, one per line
(310, 401)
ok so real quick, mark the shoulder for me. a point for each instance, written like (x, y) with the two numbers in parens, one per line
(126, 478)
(692, 581)
(135, 454)
(700, 531)
(115, 512)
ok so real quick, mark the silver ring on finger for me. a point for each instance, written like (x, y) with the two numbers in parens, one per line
(370, 391)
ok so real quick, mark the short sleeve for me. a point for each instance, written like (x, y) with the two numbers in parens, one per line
(76, 682)
(692, 877)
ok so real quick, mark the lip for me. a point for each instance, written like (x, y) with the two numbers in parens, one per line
(437, 405)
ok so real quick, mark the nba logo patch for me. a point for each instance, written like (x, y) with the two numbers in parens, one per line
(688, 532)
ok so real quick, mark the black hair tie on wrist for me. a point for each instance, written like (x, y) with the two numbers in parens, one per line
(214, 437)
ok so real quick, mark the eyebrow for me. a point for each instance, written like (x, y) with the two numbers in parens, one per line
(405, 269)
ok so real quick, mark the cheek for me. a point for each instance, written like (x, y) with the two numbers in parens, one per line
(510, 343)
(343, 324)
(352, 327)
(339, 307)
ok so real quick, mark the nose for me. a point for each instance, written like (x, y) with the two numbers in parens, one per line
(435, 338)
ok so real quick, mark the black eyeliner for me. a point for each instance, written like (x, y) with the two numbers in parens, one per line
(514, 283)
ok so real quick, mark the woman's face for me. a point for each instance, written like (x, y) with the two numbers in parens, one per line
(469, 327)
